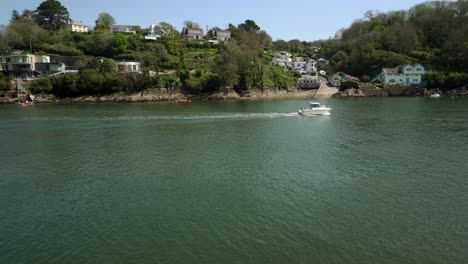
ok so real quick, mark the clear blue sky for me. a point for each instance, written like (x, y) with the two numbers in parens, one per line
(294, 19)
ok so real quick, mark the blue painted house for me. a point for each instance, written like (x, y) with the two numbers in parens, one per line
(402, 75)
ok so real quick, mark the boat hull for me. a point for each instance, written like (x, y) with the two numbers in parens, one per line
(314, 112)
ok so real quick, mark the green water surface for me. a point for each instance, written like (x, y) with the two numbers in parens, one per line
(381, 180)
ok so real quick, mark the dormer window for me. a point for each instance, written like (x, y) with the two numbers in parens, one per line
(409, 69)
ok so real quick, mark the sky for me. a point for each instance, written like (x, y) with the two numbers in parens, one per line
(306, 20)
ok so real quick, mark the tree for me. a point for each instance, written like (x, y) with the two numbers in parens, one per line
(401, 38)
(104, 21)
(280, 45)
(14, 16)
(153, 56)
(170, 36)
(51, 15)
(295, 46)
(249, 26)
(108, 65)
(98, 44)
(22, 33)
(265, 39)
(29, 14)
(166, 31)
(119, 43)
(339, 33)
(191, 24)
(227, 66)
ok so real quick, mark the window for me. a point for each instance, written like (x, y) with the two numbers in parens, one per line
(409, 69)
(418, 69)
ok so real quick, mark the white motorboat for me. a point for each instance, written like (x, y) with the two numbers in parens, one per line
(435, 95)
(314, 109)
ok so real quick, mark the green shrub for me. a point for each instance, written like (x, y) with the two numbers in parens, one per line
(5, 83)
(41, 85)
(446, 81)
(348, 84)
(168, 81)
(277, 77)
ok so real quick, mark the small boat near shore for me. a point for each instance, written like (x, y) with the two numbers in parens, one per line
(183, 101)
(435, 95)
(25, 104)
(314, 109)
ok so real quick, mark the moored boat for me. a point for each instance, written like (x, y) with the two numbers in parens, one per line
(25, 104)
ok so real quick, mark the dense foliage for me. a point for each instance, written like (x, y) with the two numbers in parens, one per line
(92, 82)
(433, 34)
(5, 82)
(51, 15)
(242, 64)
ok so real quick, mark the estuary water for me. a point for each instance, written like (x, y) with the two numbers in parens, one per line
(381, 180)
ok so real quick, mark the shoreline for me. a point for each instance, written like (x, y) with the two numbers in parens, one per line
(167, 95)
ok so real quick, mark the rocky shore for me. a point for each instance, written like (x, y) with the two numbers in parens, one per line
(155, 95)
(375, 91)
(458, 92)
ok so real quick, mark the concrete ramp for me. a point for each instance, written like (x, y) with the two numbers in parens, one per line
(325, 91)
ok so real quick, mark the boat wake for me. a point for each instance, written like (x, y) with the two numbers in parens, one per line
(197, 116)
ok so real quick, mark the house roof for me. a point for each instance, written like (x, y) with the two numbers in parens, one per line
(192, 30)
(121, 26)
(76, 22)
(391, 70)
(398, 69)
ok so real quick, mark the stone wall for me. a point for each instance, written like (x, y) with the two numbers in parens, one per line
(374, 91)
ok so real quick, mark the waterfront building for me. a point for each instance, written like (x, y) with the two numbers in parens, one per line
(28, 65)
(309, 82)
(402, 75)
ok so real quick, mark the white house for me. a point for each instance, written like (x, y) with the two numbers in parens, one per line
(77, 26)
(402, 75)
(283, 60)
(311, 66)
(122, 29)
(299, 65)
(304, 66)
(128, 66)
